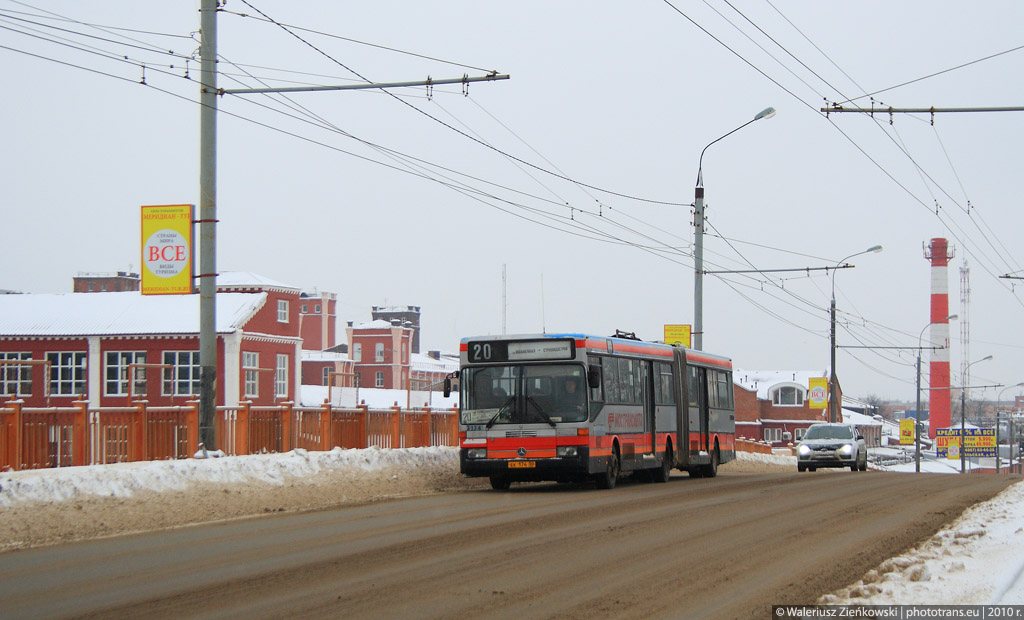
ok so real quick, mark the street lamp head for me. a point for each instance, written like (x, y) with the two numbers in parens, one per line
(987, 357)
(875, 248)
(951, 317)
(765, 113)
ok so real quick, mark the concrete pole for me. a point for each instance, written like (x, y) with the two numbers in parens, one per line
(698, 268)
(207, 225)
(917, 415)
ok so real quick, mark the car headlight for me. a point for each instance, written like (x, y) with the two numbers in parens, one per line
(565, 451)
(476, 453)
(803, 450)
(847, 449)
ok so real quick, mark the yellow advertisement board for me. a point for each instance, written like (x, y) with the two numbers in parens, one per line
(167, 250)
(678, 335)
(817, 391)
(907, 431)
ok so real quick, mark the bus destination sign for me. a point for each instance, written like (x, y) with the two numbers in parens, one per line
(483, 351)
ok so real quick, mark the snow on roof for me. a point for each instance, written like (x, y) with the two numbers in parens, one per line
(761, 381)
(324, 356)
(852, 417)
(376, 398)
(248, 280)
(378, 324)
(419, 361)
(127, 313)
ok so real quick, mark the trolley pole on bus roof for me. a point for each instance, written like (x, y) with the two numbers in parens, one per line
(698, 238)
(208, 93)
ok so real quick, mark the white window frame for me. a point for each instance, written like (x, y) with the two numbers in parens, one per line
(773, 435)
(380, 378)
(798, 433)
(116, 375)
(67, 372)
(799, 391)
(357, 351)
(281, 376)
(282, 310)
(251, 367)
(14, 375)
(378, 352)
(184, 372)
(327, 375)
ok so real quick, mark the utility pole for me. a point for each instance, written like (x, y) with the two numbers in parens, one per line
(208, 93)
(207, 225)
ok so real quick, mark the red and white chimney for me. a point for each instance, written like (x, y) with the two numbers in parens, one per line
(939, 396)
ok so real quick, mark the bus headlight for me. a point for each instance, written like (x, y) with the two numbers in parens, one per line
(476, 453)
(565, 451)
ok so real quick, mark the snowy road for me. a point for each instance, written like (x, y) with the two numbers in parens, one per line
(728, 547)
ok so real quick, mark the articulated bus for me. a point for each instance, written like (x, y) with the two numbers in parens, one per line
(572, 407)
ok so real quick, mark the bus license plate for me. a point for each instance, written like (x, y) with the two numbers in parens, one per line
(521, 464)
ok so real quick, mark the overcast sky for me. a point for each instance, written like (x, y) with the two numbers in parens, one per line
(576, 176)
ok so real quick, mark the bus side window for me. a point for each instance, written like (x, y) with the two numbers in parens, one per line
(610, 376)
(597, 394)
(628, 381)
(725, 389)
(663, 392)
(691, 384)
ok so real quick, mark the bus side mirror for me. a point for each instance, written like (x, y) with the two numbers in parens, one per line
(594, 377)
(448, 383)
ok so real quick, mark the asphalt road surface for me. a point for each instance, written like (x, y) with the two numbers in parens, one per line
(728, 547)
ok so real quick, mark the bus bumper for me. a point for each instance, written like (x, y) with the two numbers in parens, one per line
(561, 469)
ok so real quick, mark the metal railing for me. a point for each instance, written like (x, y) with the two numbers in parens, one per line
(44, 437)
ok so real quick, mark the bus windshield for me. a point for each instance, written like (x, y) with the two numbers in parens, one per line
(528, 394)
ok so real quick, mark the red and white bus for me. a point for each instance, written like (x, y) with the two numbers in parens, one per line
(571, 407)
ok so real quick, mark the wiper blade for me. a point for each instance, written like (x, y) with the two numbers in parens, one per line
(541, 411)
(501, 410)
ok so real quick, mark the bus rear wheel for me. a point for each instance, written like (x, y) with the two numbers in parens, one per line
(663, 473)
(500, 483)
(610, 476)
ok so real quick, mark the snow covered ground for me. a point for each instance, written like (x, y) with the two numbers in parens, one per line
(978, 559)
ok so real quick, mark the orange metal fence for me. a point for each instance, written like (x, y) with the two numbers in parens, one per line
(752, 445)
(33, 438)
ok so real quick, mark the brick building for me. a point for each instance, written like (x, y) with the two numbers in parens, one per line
(382, 357)
(773, 406)
(106, 282)
(109, 348)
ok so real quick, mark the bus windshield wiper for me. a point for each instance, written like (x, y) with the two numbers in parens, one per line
(541, 411)
(501, 410)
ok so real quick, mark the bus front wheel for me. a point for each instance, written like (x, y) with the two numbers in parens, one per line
(610, 476)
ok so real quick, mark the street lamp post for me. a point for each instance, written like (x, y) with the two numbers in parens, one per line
(1009, 442)
(917, 412)
(698, 240)
(963, 401)
(832, 397)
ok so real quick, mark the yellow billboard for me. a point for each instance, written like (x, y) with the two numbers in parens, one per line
(678, 335)
(907, 431)
(817, 390)
(167, 250)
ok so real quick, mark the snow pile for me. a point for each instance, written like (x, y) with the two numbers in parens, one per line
(976, 560)
(125, 479)
(767, 459)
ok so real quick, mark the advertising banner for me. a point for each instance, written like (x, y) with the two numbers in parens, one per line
(167, 266)
(678, 335)
(977, 443)
(907, 431)
(817, 390)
